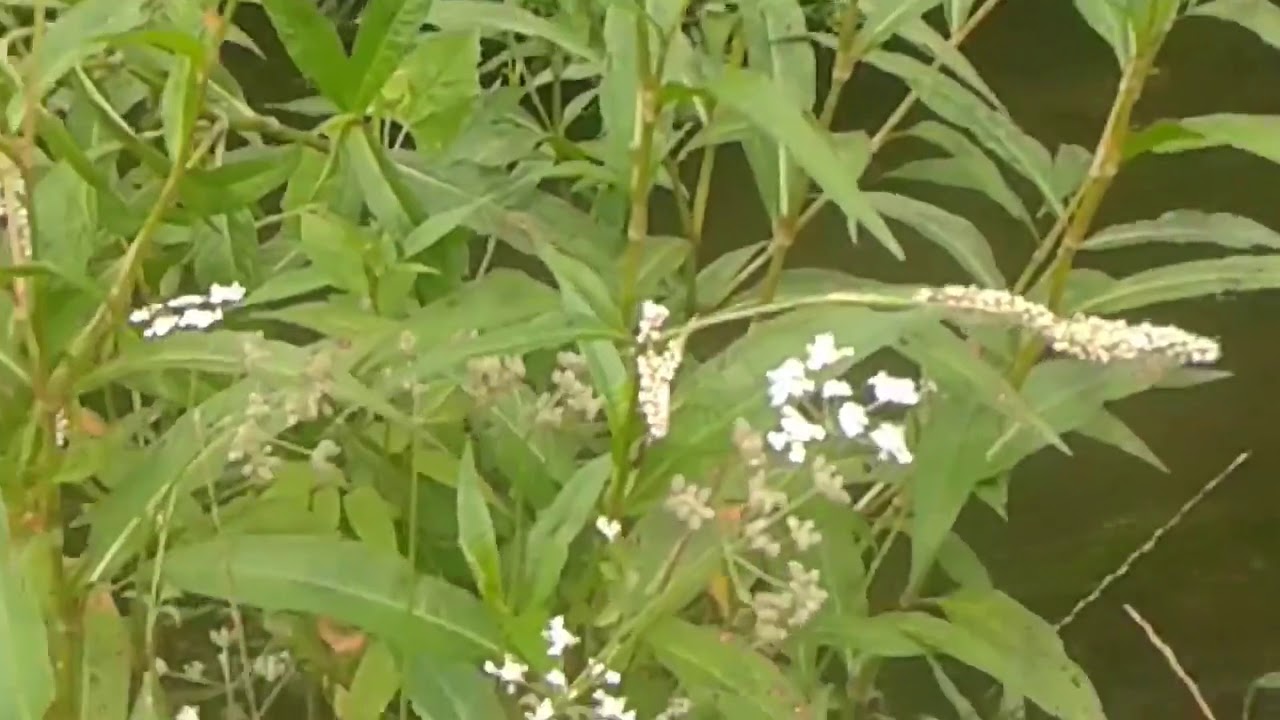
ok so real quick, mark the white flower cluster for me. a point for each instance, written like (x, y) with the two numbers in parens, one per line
(570, 393)
(555, 695)
(186, 312)
(656, 367)
(799, 394)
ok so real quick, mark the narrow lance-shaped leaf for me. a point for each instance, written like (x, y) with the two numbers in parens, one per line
(388, 29)
(503, 17)
(26, 676)
(1107, 18)
(958, 105)
(1260, 17)
(968, 167)
(75, 34)
(750, 94)
(954, 234)
(1255, 134)
(345, 580)
(547, 546)
(1188, 227)
(313, 43)
(949, 463)
(1195, 278)
(475, 531)
(105, 660)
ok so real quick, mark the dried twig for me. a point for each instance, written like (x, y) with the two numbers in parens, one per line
(1149, 545)
(1172, 659)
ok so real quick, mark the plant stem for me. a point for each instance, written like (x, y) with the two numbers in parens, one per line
(1102, 171)
(787, 225)
(900, 112)
(647, 109)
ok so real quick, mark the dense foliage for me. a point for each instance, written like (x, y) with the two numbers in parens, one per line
(393, 394)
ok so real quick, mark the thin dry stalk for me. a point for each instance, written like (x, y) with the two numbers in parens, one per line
(1172, 659)
(1149, 545)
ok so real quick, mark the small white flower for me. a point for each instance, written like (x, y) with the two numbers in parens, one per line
(833, 389)
(557, 637)
(557, 680)
(188, 712)
(608, 527)
(544, 711)
(823, 351)
(220, 637)
(891, 440)
(597, 671)
(609, 707)
(853, 419)
(161, 326)
(162, 667)
(788, 381)
(193, 670)
(799, 428)
(890, 389)
(510, 672)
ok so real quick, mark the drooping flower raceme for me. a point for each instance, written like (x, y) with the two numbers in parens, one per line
(656, 367)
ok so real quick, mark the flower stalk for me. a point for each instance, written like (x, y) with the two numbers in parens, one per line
(1107, 158)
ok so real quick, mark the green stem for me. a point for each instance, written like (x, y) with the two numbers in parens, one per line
(1107, 158)
(786, 226)
(647, 108)
(899, 113)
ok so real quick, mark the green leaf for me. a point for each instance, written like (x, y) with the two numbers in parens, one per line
(706, 659)
(449, 691)
(919, 32)
(374, 686)
(1194, 278)
(76, 34)
(342, 579)
(1068, 394)
(743, 91)
(770, 28)
(1188, 227)
(26, 677)
(66, 209)
(337, 249)
(370, 517)
(287, 284)
(547, 546)
(886, 18)
(1109, 429)
(388, 29)
(440, 224)
(1260, 17)
(954, 234)
(178, 107)
(962, 706)
(503, 18)
(949, 462)
(105, 659)
(968, 167)
(951, 362)
(475, 531)
(379, 182)
(312, 42)
(1108, 19)
(957, 12)
(720, 278)
(992, 632)
(1255, 134)
(957, 105)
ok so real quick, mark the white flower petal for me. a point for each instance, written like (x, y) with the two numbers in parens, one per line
(890, 389)
(891, 439)
(853, 419)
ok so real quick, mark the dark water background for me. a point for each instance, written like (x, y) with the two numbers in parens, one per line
(1212, 587)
